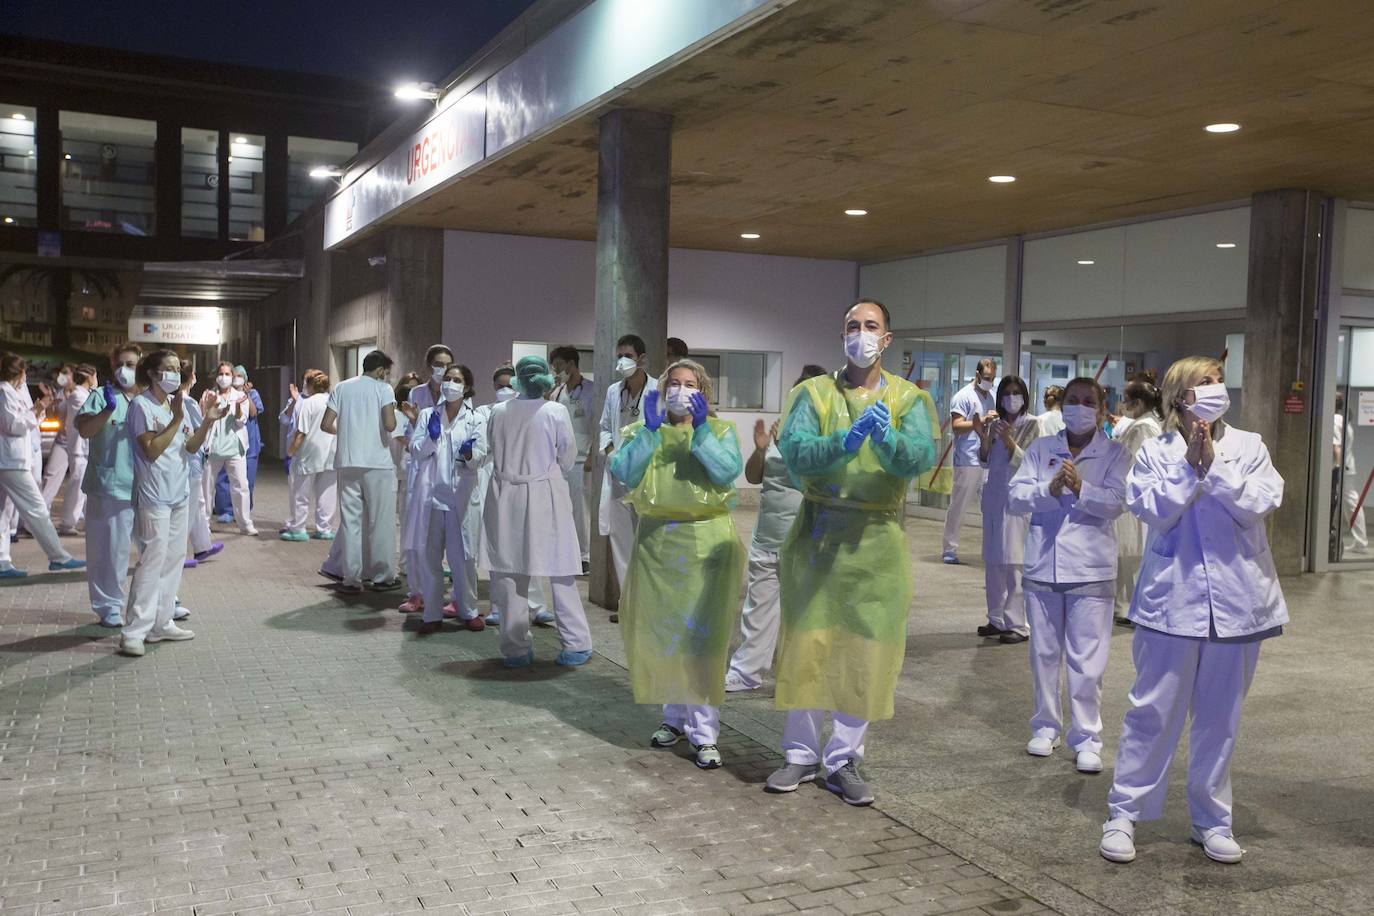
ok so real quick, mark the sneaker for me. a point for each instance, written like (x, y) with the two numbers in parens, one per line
(388, 586)
(1012, 638)
(1218, 844)
(1088, 762)
(614, 618)
(131, 647)
(190, 563)
(951, 559)
(225, 519)
(450, 610)
(429, 628)
(1118, 840)
(790, 775)
(990, 631)
(10, 572)
(69, 563)
(736, 682)
(249, 532)
(708, 757)
(288, 534)
(323, 535)
(519, 661)
(849, 785)
(493, 619)
(1122, 622)
(412, 604)
(171, 633)
(1041, 747)
(214, 549)
(543, 618)
(474, 624)
(573, 659)
(112, 620)
(181, 612)
(348, 588)
(68, 532)
(665, 736)
(333, 577)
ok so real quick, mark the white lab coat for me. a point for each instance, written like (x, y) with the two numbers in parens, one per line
(616, 414)
(1071, 537)
(439, 477)
(1207, 564)
(527, 521)
(1004, 534)
(1130, 531)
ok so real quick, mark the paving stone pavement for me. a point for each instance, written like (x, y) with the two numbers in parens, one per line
(306, 753)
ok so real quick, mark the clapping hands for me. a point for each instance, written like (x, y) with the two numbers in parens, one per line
(654, 413)
(1200, 452)
(1066, 479)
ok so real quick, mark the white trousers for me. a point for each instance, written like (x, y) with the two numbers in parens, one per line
(511, 594)
(367, 524)
(160, 534)
(73, 497)
(444, 538)
(403, 563)
(968, 490)
(577, 489)
(700, 723)
(801, 738)
(1127, 568)
(321, 486)
(472, 540)
(109, 526)
(621, 524)
(1076, 628)
(1006, 603)
(55, 473)
(237, 471)
(1354, 535)
(27, 502)
(759, 622)
(198, 522)
(1175, 675)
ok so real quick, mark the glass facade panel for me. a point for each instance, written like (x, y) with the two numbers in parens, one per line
(952, 289)
(108, 173)
(1357, 267)
(18, 166)
(1351, 458)
(304, 154)
(200, 182)
(247, 182)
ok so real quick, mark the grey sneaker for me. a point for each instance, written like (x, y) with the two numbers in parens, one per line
(849, 785)
(665, 736)
(708, 757)
(790, 775)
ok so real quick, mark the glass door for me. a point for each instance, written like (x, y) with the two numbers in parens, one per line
(1350, 457)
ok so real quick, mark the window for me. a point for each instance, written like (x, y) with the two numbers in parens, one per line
(246, 180)
(200, 182)
(18, 167)
(743, 380)
(304, 154)
(351, 358)
(108, 173)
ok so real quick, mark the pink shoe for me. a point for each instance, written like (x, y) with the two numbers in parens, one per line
(450, 610)
(412, 604)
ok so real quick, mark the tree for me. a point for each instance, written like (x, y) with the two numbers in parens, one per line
(59, 283)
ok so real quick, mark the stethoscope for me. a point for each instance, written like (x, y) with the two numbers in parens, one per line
(634, 408)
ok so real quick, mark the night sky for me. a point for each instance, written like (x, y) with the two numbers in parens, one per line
(377, 41)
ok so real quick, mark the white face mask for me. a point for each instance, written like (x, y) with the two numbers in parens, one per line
(436, 373)
(1012, 403)
(63, 380)
(562, 376)
(1080, 419)
(984, 385)
(680, 400)
(170, 381)
(452, 391)
(862, 348)
(224, 381)
(124, 377)
(626, 366)
(505, 394)
(240, 381)
(1210, 402)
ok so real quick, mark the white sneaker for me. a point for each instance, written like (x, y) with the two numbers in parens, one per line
(1118, 840)
(736, 682)
(1218, 843)
(171, 633)
(1041, 747)
(131, 647)
(1089, 762)
(181, 612)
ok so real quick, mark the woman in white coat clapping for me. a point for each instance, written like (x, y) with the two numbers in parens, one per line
(1206, 597)
(1072, 485)
(1003, 440)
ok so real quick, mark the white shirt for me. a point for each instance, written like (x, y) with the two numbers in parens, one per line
(316, 453)
(363, 440)
(619, 411)
(231, 423)
(17, 423)
(1051, 423)
(581, 404)
(166, 481)
(77, 445)
(1341, 434)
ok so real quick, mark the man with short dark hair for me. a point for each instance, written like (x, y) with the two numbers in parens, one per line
(677, 349)
(577, 393)
(624, 399)
(972, 401)
(361, 412)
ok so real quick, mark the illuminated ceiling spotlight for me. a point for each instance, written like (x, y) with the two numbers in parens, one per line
(1225, 127)
(410, 92)
(1001, 179)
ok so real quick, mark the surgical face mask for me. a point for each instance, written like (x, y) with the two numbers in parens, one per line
(1080, 419)
(240, 381)
(562, 376)
(985, 385)
(64, 380)
(505, 394)
(862, 348)
(436, 373)
(224, 381)
(1012, 403)
(680, 400)
(170, 381)
(452, 391)
(626, 366)
(124, 377)
(1210, 402)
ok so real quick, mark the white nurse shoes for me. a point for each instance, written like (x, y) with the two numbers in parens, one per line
(1088, 762)
(1118, 840)
(1041, 747)
(1218, 844)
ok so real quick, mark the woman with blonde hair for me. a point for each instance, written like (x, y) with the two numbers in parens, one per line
(1207, 596)
(681, 600)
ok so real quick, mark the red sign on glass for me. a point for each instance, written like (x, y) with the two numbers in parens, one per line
(1293, 403)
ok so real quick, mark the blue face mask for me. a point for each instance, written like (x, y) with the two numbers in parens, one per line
(1080, 419)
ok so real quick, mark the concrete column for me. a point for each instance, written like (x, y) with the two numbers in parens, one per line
(1280, 344)
(412, 316)
(631, 265)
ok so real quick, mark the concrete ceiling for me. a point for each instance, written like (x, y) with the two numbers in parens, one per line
(905, 108)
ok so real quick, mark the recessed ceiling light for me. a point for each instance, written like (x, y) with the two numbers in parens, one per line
(856, 212)
(749, 235)
(231, 158)
(9, 219)
(1226, 127)
(1087, 262)
(240, 139)
(1001, 179)
(1226, 244)
(19, 116)
(66, 155)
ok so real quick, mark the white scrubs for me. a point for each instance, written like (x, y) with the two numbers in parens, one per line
(615, 518)
(367, 480)
(803, 733)
(312, 469)
(1004, 533)
(198, 523)
(18, 424)
(78, 454)
(1130, 531)
(225, 456)
(968, 473)
(441, 490)
(580, 402)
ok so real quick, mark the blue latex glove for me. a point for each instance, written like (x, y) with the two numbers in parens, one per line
(108, 392)
(882, 423)
(465, 450)
(653, 417)
(700, 409)
(434, 427)
(854, 439)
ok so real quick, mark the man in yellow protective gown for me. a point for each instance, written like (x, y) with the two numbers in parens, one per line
(854, 440)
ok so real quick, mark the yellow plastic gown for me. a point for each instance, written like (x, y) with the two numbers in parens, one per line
(844, 569)
(681, 598)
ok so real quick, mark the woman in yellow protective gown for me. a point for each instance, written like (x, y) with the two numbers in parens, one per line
(681, 599)
(854, 440)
